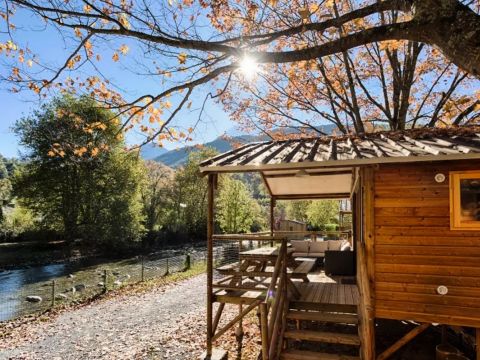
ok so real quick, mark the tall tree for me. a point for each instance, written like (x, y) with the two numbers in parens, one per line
(189, 196)
(5, 186)
(76, 175)
(236, 208)
(187, 44)
(155, 194)
(323, 212)
(297, 209)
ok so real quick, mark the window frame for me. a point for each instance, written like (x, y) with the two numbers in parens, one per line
(455, 200)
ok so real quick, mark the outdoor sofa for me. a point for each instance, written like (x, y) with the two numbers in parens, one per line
(338, 255)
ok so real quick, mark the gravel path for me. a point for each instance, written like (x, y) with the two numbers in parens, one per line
(165, 323)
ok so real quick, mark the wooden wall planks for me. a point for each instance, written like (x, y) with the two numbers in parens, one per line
(416, 251)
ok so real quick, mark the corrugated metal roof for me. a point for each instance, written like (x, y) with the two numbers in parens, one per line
(406, 146)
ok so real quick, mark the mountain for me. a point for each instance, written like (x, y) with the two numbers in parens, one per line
(178, 157)
(150, 151)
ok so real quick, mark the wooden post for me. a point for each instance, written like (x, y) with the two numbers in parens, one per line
(210, 229)
(272, 217)
(53, 293)
(403, 341)
(105, 278)
(365, 266)
(264, 329)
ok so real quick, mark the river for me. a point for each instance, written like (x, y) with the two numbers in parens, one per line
(75, 281)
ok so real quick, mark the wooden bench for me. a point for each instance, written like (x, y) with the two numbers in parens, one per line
(233, 269)
(227, 267)
(302, 270)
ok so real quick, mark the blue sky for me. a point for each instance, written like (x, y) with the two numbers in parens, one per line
(50, 48)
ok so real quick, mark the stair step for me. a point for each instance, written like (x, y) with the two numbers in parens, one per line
(323, 317)
(322, 336)
(305, 305)
(292, 354)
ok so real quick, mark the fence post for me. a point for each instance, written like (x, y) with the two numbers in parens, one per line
(187, 262)
(167, 272)
(53, 293)
(143, 268)
(105, 279)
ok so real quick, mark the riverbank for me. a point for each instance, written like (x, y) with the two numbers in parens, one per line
(35, 289)
(156, 321)
(27, 254)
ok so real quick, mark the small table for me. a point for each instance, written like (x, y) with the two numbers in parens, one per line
(266, 256)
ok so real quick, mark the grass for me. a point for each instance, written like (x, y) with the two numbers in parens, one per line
(141, 287)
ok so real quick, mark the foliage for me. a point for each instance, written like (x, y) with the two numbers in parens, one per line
(76, 177)
(7, 168)
(17, 221)
(297, 210)
(155, 195)
(359, 65)
(236, 208)
(322, 212)
(189, 196)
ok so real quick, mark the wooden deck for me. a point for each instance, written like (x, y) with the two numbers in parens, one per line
(322, 291)
(328, 293)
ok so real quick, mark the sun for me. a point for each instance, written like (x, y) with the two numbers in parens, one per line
(249, 67)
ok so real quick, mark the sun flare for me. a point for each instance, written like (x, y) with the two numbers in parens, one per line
(249, 67)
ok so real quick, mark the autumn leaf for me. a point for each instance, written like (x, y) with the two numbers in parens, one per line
(182, 58)
(88, 45)
(124, 49)
(115, 57)
(87, 8)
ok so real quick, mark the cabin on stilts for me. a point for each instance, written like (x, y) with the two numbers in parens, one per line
(413, 253)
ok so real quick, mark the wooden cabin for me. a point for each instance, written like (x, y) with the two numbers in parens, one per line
(416, 227)
(291, 225)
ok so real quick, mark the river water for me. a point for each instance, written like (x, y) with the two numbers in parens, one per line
(74, 281)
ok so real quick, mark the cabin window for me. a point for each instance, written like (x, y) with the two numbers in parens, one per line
(465, 200)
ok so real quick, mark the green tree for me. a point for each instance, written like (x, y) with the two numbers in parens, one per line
(77, 177)
(297, 210)
(189, 196)
(155, 194)
(323, 212)
(6, 170)
(236, 208)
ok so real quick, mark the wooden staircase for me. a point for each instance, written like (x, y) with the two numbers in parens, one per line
(306, 331)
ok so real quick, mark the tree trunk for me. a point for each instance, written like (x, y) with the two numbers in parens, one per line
(454, 28)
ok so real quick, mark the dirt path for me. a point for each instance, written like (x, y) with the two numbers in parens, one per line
(165, 323)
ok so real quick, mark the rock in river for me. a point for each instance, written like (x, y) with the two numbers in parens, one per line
(33, 298)
(61, 297)
(80, 287)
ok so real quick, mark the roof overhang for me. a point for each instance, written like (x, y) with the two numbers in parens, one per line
(309, 184)
(335, 163)
(324, 167)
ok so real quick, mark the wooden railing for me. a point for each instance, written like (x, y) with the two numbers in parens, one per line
(273, 309)
(273, 306)
(312, 234)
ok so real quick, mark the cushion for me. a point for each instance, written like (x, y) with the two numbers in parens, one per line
(334, 245)
(300, 245)
(318, 247)
(345, 246)
(300, 254)
(316, 254)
